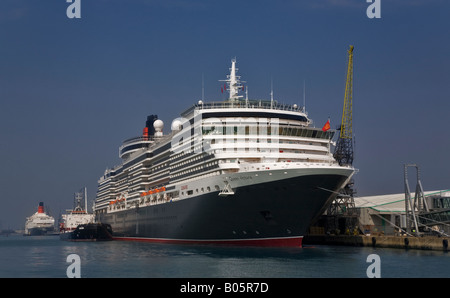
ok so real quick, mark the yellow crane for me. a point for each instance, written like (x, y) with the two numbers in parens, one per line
(343, 205)
(344, 147)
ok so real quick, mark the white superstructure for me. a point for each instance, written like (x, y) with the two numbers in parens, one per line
(78, 215)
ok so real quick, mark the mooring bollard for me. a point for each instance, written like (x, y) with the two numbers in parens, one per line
(406, 242)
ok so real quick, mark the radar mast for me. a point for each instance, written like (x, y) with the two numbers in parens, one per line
(233, 83)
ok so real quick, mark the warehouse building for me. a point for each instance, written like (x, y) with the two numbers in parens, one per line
(386, 214)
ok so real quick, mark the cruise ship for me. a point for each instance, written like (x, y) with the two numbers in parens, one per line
(40, 223)
(233, 172)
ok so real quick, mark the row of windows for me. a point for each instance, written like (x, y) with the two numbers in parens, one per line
(188, 162)
(195, 170)
(251, 143)
(159, 167)
(201, 190)
(269, 130)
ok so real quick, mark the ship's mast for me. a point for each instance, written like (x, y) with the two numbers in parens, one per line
(271, 93)
(85, 199)
(78, 197)
(233, 82)
(304, 96)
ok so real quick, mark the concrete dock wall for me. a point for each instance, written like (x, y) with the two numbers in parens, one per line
(429, 243)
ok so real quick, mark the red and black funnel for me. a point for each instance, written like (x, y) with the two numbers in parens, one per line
(41, 207)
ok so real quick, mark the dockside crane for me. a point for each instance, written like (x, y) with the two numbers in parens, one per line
(340, 208)
(344, 147)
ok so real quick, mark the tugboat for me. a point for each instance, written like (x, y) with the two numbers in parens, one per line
(79, 225)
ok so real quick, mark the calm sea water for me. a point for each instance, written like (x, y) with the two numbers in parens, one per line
(47, 257)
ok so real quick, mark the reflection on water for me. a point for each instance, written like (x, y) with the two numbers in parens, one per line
(46, 257)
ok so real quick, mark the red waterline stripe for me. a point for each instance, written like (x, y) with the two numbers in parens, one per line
(265, 242)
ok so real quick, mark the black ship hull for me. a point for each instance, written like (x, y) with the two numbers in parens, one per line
(276, 213)
(40, 232)
(89, 232)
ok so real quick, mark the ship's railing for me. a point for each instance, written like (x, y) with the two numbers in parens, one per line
(138, 139)
(245, 104)
(146, 141)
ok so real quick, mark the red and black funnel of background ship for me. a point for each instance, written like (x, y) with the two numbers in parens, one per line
(41, 207)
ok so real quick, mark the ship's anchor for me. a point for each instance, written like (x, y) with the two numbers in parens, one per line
(226, 191)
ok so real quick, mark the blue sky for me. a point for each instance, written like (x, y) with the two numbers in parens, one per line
(71, 90)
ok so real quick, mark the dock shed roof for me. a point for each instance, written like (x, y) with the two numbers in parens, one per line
(391, 203)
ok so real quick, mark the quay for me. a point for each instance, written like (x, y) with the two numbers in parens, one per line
(419, 220)
(404, 242)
